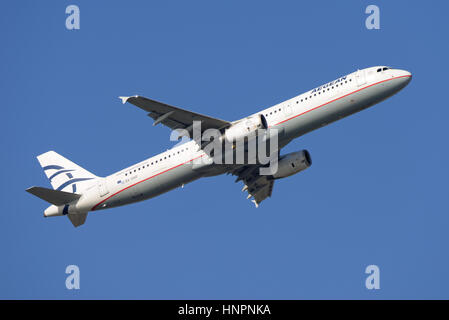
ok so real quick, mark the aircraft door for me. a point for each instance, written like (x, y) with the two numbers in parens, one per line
(360, 77)
(288, 109)
(103, 188)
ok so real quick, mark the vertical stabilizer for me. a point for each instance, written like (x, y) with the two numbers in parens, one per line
(64, 175)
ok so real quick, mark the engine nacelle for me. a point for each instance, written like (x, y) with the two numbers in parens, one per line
(293, 163)
(245, 127)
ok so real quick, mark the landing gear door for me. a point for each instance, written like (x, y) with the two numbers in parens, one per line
(360, 77)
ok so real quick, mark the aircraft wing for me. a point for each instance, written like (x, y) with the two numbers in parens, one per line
(173, 117)
(258, 187)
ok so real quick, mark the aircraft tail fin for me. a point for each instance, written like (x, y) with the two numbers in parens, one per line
(68, 181)
(64, 175)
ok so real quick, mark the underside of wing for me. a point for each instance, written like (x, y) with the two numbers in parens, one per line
(174, 117)
(259, 187)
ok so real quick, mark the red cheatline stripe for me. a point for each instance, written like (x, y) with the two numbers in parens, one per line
(339, 98)
(93, 208)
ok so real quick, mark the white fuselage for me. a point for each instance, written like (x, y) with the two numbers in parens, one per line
(293, 118)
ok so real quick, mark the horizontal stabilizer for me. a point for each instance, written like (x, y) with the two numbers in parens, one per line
(58, 198)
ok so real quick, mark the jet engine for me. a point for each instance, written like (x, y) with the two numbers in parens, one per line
(245, 127)
(293, 163)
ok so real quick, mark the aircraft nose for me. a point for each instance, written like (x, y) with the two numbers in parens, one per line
(406, 76)
(402, 78)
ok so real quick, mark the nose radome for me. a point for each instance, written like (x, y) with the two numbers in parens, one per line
(405, 77)
(405, 74)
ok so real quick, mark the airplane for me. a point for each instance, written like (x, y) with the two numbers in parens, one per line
(76, 191)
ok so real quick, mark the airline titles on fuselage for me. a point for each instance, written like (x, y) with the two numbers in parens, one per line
(329, 84)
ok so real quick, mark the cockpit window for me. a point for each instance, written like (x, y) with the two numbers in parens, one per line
(379, 70)
(385, 68)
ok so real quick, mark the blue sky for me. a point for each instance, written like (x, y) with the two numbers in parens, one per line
(377, 192)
